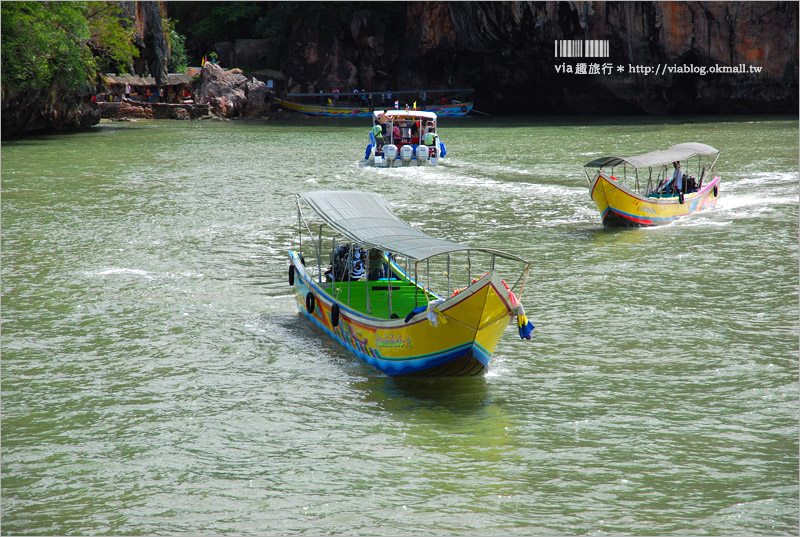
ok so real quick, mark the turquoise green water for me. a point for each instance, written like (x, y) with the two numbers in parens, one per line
(157, 379)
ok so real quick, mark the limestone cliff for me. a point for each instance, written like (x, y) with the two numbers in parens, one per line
(506, 50)
(150, 38)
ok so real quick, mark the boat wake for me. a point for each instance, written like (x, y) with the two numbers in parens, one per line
(124, 271)
(115, 271)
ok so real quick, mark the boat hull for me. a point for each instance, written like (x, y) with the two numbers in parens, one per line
(469, 326)
(446, 110)
(619, 207)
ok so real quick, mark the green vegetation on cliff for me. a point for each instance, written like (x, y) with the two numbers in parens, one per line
(63, 44)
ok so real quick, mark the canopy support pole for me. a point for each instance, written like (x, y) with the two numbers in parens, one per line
(428, 267)
(389, 283)
(299, 227)
(369, 306)
(416, 283)
(319, 254)
(469, 268)
(308, 228)
(448, 274)
(348, 274)
(333, 268)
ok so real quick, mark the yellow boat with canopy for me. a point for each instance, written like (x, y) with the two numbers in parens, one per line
(401, 300)
(642, 190)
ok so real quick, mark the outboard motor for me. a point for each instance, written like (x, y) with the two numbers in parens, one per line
(422, 155)
(390, 154)
(406, 154)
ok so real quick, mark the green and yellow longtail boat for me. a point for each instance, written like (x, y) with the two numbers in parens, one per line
(373, 301)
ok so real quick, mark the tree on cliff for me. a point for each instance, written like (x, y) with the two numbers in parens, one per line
(52, 53)
(62, 45)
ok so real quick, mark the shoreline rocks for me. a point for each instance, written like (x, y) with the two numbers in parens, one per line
(230, 93)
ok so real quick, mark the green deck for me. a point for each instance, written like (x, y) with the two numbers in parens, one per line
(403, 300)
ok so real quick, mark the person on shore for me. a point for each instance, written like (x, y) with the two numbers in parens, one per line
(128, 91)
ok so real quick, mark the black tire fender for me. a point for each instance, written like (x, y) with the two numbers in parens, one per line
(291, 275)
(716, 192)
(680, 198)
(310, 302)
(335, 315)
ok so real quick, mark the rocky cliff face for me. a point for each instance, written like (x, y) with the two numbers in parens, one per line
(506, 50)
(150, 39)
(24, 112)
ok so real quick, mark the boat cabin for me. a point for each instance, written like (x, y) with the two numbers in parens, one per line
(412, 126)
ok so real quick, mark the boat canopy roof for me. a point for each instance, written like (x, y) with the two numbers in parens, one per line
(365, 217)
(411, 113)
(656, 158)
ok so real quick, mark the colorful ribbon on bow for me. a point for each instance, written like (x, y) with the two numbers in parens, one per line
(524, 325)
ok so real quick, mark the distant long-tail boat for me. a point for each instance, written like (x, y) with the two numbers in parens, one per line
(452, 103)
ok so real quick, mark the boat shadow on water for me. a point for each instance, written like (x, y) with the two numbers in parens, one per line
(605, 235)
(455, 395)
(459, 417)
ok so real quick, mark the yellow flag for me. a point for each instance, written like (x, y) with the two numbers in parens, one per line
(415, 105)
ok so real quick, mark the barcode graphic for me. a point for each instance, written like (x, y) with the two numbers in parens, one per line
(577, 48)
(569, 48)
(596, 48)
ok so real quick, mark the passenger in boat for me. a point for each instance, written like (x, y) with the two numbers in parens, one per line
(383, 120)
(677, 177)
(405, 129)
(376, 268)
(396, 133)
(690, 184)
(377, 132)
(430, 136)
(347, 263)
(415, 133)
